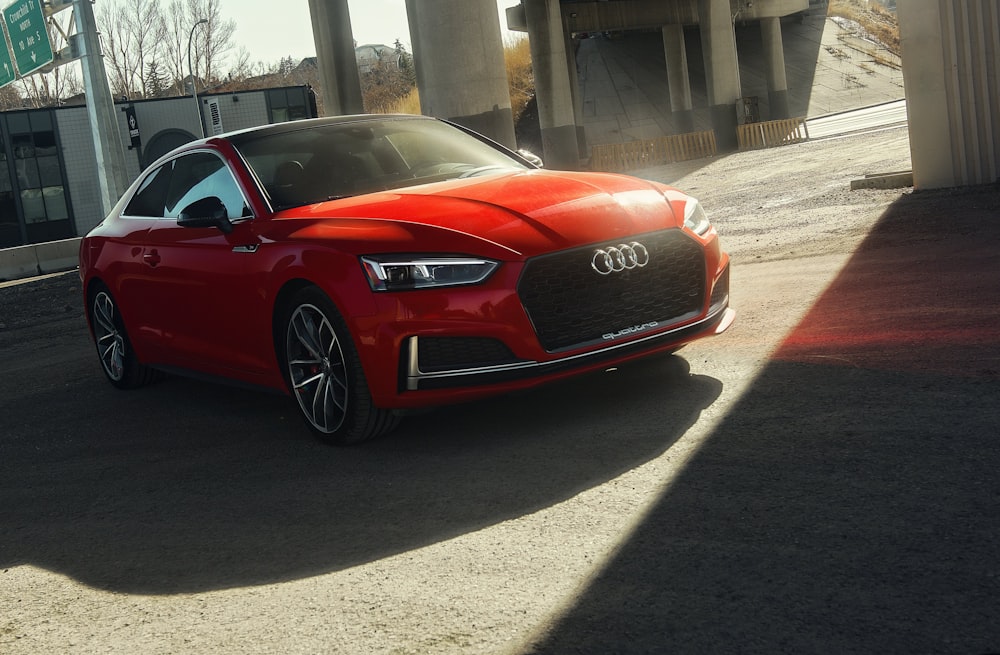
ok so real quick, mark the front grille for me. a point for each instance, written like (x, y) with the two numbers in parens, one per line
(456, 353)
(571, 305)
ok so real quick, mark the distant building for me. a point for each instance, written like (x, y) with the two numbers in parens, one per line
(48, 182)
(370, 55)
(367, 56)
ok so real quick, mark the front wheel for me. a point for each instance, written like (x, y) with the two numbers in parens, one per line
(323, 372)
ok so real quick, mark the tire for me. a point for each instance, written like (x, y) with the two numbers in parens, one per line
(323, 372)
(114, 350)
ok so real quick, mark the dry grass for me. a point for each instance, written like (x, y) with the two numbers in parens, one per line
(408, 104)
(520, 79)
(517, 57)
(877, 21)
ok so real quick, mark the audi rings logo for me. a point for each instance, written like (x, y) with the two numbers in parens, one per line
(623, 257)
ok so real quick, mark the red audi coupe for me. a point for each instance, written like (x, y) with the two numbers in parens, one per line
(369, 265)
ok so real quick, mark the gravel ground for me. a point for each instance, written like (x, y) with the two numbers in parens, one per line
(794, 201)
(821, 478)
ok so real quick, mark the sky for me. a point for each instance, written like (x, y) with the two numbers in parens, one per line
(273, 29)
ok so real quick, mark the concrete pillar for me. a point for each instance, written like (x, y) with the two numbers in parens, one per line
(574, 85)
(678, 79)
(108, 146)
(458, 57)
(774, 66)
(950, 54)
(722, 70)
(338, 65)
(552, 85)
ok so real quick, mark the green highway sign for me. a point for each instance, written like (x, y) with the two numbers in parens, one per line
(29, 38)
(6, 65)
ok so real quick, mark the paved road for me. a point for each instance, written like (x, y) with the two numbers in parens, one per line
(822, 478)
(890, 114)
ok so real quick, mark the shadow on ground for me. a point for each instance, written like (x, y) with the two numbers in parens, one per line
(850, 501)
(187, 486)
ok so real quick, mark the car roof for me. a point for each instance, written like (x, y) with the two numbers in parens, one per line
(239, 136)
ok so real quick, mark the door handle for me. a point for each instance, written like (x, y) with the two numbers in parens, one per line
(152, 258)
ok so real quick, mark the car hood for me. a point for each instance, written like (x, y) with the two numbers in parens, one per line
(526, 213)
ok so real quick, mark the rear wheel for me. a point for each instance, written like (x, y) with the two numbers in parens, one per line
(118, 359)
(323, 372)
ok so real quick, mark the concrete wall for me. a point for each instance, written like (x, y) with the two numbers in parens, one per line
(39, 259)
(78, 159)
(951, 70)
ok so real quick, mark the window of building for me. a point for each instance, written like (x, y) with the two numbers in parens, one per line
(38, 176)
(10, 226)
(288, 104)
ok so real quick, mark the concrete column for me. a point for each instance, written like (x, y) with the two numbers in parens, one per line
(458, 57)
(678, 79)
(338, 65)
(574, 85)
(552, 85)
(718, 43)
(108, 146)
(950, 54)
(774, 66)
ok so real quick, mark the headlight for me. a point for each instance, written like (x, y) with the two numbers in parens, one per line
(695, 217)
(399, 273)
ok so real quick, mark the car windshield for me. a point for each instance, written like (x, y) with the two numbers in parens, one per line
(338, 160)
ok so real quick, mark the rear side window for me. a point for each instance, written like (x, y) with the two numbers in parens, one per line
(149, 199)
(199, 176)
(169, 189)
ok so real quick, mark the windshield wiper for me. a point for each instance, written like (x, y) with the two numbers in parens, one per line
(481, 169)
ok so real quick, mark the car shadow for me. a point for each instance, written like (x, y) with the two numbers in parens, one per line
(188, 486)
(850, 502)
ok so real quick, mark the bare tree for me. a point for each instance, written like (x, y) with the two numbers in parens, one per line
(10, 98)
(175, 43)
(213, 41)
(115, 46)
(133, 34)
(49, 89)
(147, 28)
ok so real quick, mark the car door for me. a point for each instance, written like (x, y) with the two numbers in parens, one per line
(197, 289)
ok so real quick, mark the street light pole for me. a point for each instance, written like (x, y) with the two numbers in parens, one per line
(194, 86)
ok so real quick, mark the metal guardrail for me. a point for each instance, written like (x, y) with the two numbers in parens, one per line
(771, 133)
(616, 157)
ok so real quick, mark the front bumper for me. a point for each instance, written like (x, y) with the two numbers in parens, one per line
(418, 379)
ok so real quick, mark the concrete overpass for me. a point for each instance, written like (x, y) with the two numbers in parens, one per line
(951, 52)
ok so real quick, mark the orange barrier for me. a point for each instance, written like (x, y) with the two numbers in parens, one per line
(771, 133)
(652, 152)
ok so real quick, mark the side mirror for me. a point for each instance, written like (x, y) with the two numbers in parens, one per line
(207, 212)
(531, 158)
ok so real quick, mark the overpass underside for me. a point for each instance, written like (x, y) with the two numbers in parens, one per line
(463, 77)
(553, 27)
(458, 56)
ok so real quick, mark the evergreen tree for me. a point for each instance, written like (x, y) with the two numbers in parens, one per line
(405, 63)
(157, 82)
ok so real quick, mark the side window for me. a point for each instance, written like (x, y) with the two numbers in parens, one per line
(202, 175)
(149, 199)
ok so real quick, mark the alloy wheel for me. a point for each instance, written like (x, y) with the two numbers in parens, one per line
(110, 339)
(316, 368)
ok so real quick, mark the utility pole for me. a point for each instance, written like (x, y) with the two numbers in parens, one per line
(108, 147)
